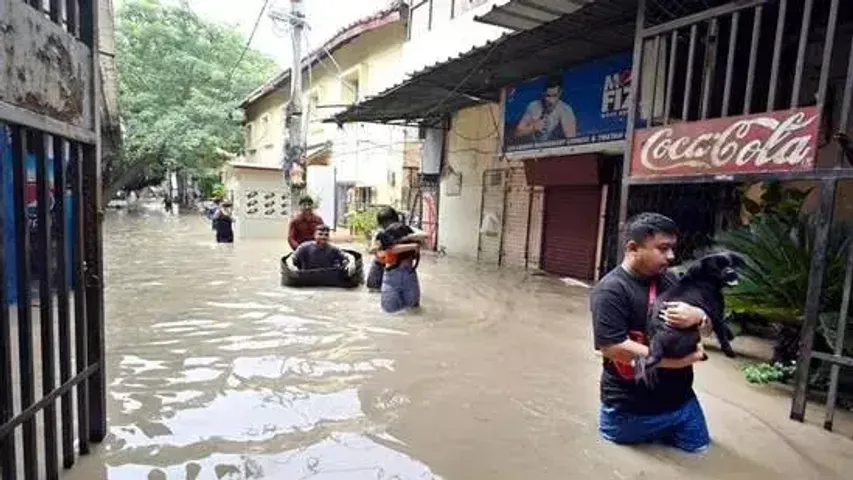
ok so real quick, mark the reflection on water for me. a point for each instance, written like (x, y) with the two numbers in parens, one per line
(215, 372)
(344, 456)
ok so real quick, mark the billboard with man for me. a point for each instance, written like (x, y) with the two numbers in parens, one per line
(582, 105)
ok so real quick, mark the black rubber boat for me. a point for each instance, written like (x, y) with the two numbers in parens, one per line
(323, 277)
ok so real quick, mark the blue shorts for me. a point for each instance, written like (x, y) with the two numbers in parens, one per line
(400, 289)
(684, 428)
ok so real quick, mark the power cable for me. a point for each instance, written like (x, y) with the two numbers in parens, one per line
(249, 41)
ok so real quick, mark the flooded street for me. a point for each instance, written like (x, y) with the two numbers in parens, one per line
(217, 372)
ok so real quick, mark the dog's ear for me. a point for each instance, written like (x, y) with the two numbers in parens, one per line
(695, 268)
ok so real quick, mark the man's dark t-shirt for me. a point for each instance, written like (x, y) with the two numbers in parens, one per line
(620, 305)
(309, 256)
(392, 235)
(222, 225)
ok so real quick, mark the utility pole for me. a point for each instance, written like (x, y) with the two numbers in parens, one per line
(293, 155)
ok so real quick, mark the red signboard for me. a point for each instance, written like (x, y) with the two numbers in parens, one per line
(781, 141)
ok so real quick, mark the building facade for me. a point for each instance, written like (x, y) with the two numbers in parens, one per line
(687, 108)
(349, 166)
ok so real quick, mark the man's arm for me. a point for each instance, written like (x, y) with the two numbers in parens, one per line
(527, 125)
(291, 234)
(404, 247)
(610, 319)
(611, 316)
(568, 122)
(416, 236)
(299, 256)
(339, 256)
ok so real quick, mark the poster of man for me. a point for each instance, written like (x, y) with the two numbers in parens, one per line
(548, 118)
(585, 104)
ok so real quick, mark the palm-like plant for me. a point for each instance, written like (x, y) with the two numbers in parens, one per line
(775, 278)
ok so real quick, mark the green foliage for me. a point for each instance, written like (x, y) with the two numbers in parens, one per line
(218, 191)
(777, 246)
(782, 203)
(363, 223)
(209, 186)
(178, 102)
(775, 277)
(764, 373)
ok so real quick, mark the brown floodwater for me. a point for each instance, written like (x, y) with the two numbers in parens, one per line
(217, 372)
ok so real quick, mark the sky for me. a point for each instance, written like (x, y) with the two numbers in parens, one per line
(324, 16)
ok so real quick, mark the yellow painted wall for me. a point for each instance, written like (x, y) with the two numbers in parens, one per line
(367, 155)
(472, 148)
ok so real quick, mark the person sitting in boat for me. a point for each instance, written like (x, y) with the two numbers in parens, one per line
(319, 253)
(304, 225)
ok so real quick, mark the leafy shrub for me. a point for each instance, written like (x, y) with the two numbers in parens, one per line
(363, 223)
(764, 373)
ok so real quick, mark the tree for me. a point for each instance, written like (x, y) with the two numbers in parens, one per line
(179, 91)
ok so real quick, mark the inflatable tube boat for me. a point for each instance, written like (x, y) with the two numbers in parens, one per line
(323, 277)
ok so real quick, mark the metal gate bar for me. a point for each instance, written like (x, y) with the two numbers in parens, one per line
(25, 321)
(88, 329)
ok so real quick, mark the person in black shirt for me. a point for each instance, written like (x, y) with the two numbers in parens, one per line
(633, 412)
(223, 224)
(318, 253)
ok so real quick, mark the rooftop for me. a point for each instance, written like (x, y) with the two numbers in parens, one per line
(396, 11)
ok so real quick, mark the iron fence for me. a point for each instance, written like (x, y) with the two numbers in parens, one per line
(51, 320)
(697, 60)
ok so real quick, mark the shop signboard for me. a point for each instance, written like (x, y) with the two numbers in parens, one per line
(582, 105)
(779, 141)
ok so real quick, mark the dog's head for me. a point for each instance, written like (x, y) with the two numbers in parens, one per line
(720, 268)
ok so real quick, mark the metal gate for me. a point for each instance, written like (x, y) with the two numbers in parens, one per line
(51, 269)
(492, 206)
(714, 59)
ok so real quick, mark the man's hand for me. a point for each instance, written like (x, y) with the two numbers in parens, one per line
(681, 315)
(695, 357)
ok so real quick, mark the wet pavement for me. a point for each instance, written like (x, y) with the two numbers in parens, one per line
(217, 372)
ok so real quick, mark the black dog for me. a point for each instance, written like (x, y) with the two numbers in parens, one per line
(701, 286)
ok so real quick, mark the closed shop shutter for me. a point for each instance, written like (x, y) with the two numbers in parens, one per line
(571, 231)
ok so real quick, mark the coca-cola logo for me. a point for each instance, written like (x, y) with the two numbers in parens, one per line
(773, 141)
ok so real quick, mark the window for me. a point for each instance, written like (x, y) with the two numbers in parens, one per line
(442, 11)
(420, 19)
(265, 128)
(350, 88)
(461, 7)
(247, 132)
(426, 15)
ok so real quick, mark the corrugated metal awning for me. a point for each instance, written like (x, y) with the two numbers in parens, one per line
(521, 15)
(601, 28)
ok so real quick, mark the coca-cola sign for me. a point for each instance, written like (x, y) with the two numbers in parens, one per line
(780, 141)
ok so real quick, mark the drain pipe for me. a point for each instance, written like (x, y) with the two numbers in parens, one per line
(527, 236)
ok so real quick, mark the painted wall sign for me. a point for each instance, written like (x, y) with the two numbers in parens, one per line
(582, 105)
(780, 141)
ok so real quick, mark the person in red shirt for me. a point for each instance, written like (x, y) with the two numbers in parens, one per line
(304, 224)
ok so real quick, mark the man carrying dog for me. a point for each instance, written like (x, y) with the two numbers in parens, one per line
(633, 412)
